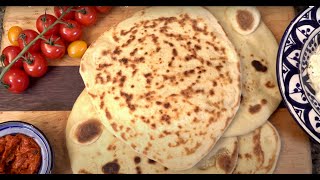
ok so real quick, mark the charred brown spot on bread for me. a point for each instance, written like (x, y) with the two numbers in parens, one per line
(83, 171)
(102, 66)
(257, 150)
(112, 147)
(259, 66)
(196, 109)
(174, 52)
(245, 19)
(124, 60)
(193, 149)
(134, 72)
(108, 114)
(133, 146)
(150, 161)
(264, 101)
(166, 105)
(122, 80)
(132, 53)
(92, 95)
(114, 126)
(105, 52)
(269, 84)
(169, 43)
(166, 118)
(99, 79)
(139, 60)
(128, 98)
(225, 162)
(123, 32)
(111, 168)
(117, 50)
(88, 130)
(255, 108)
(188, 72)
(101, 104)
(123, 136)
(153, 126)
(115, 38)
(214, 83)
(138, 169)
(247, 156)
(212, 120)
(137, 159)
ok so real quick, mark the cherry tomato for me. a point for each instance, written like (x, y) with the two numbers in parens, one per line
(26, 36)
(58, 10)
(53, 47)
(77, 48)
(16, 80)
(44, 21)
(71, 31)
(103, 9)
(13, 35)
(8, 55)
(36, 65)
(85, 15)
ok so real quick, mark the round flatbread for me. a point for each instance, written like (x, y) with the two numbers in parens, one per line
(258, 51)
(259, 151)
(92, 149)
(166, 82)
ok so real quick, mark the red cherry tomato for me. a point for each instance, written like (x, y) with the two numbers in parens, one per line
(86, 15)
(44, 21)
(71, 31)
(58, 10)
(53, 47)
(25, 37)
(103, 9)
(16, 80)
(36, 65)
(8, 55)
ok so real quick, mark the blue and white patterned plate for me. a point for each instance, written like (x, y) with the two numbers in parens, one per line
(298, 43)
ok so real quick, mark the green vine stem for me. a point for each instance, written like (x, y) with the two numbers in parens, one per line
(25, 49)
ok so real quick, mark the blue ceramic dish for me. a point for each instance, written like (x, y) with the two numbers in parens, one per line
(13, 127)
(298, 43)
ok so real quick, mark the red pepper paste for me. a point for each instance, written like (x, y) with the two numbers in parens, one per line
(19, 154)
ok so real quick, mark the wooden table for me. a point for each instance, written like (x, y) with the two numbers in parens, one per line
(47, 103)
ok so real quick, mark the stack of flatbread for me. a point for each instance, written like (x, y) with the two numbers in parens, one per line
(178, 90)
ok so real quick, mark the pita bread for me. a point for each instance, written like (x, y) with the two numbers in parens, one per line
(166, 82)
(97, 151)
(259, 151)
(260, 94)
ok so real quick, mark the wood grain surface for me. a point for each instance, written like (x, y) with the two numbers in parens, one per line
(48, 102)
(56, 91)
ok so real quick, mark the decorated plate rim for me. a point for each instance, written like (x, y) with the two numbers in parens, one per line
(281, 84)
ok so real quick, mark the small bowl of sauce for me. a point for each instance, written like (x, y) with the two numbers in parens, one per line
(24, 149)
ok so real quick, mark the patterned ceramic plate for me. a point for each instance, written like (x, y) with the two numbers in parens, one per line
(298, 43)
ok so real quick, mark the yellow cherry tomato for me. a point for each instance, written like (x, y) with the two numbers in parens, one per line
(77, 48)
(13, 35)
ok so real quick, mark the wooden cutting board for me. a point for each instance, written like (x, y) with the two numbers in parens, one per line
(47, 103)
